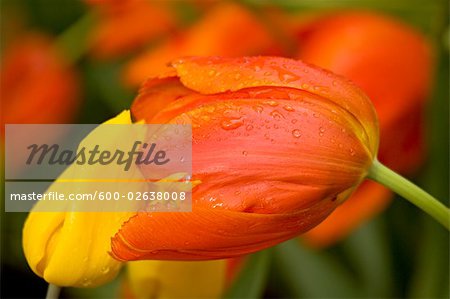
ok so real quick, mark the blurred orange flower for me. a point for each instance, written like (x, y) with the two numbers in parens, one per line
(37, 85)
(277, 145)
(392, 63)
(228, 29)
(127, 25)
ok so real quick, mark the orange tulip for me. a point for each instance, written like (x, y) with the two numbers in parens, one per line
(125, 26)
(226, 30)
(277, 146)
(391, 62)
(37, 85)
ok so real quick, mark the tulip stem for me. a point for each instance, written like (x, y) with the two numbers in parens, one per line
(408, 190)
(52, 291)
(73, 41)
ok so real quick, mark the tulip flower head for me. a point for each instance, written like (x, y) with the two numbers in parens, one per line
(277, 145)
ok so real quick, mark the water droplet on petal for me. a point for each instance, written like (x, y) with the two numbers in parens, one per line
(271, 103)
(105, 270)
(232, 114)
(296, 133)
(245, 153)
(276, 115)
(231, 124)
(288, 108)
(258, 108)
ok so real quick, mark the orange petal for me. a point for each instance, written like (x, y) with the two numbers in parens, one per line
(215, 75)
(208, 233)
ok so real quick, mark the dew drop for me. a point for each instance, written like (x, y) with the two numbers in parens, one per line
(276, 115)
(245, 153)
(293, 121)
(231, 124)
(205, 118)
(258, 108)
(296, 133)
(232, 114)
(288, 108)
(249, 128)
(104, 270)
(271, 103)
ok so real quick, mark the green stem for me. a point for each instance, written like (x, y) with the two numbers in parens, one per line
(52, 291)
(73, 41)
(430, 205)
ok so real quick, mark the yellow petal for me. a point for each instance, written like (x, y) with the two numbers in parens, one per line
(177, 279)
(72, 248)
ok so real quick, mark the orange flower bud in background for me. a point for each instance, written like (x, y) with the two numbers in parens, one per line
(37, 85)
(391, 62)
(277, 146)
(228, 29)
(125, 26)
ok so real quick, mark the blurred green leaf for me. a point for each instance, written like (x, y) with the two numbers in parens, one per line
(313, 274)
(105, 79)
(252, 278)
(368, 250)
